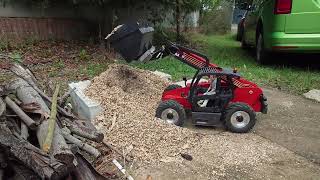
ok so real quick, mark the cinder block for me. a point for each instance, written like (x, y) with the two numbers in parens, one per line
(82, 105)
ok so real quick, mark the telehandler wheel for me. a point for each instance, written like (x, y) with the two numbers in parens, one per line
(239, 118)
(172, 112)
(172, 87)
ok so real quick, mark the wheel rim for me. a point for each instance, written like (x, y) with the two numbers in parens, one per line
(240, 119)
(259, 48)
(170, 115)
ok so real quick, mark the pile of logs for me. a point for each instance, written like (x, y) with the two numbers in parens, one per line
(38, 138)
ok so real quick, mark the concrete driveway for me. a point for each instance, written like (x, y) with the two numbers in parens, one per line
(292, 122)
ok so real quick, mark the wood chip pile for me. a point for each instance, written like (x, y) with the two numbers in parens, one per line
(130, 97)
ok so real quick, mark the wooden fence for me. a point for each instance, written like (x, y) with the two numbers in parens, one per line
(16, 29)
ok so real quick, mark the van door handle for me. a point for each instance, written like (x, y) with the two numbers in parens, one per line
(317, 3)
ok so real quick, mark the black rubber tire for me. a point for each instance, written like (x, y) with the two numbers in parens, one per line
(234, 107)
(173, 105)
(172, 87)
(262, 56)
(244, 44)
(239, 34)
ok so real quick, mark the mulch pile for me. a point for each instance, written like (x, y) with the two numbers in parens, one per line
(130, 97)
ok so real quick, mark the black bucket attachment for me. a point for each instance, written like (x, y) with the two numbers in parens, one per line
(131, 40)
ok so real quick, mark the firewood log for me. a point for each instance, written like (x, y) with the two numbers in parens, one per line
(60, 149)
(76, 127)
(23, 116)
(64, 98)
(89, 149)
(26, 75)
(2, 107)
(24, 131)
(85, 171)
(29, 155)
(22, 172)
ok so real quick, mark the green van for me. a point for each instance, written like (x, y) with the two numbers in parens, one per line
(282, 26)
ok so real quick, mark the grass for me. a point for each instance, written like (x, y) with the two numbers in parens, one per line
(222, 50)
(226, 52)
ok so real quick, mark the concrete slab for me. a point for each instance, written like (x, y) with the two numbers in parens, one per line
(82, 105)
(163, 75)
(313, 94)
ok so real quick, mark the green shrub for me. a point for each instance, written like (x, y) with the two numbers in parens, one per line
(218, 20)
(163, 35)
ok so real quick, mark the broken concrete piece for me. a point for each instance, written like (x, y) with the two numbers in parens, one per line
(163, 75)
(313, 94)
(83, 105)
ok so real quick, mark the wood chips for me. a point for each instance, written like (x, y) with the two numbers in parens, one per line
(130, 97)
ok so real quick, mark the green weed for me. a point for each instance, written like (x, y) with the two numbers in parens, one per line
(59, 64)
(83, 55)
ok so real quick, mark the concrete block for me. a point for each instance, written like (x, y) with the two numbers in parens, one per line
(163, 75)
(82, 105)
(313, 94)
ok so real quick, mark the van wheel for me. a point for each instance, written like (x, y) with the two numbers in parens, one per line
(244, 44)
(262, 56)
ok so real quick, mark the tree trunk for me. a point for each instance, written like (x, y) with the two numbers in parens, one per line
(31, 156)
(60, 149)
(178, 21)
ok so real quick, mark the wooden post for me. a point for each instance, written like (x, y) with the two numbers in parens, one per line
(52, 121)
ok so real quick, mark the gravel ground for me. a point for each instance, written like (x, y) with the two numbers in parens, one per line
(130, 97)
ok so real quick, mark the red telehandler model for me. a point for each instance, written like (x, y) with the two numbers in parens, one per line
(215, 95)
